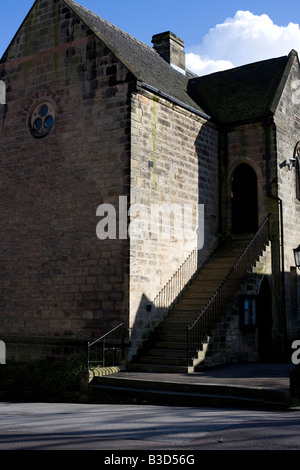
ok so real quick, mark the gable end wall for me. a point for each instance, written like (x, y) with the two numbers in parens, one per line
(58, 279)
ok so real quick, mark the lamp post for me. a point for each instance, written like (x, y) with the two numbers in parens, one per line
(297, 256)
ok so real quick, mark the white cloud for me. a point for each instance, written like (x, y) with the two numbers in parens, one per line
(203, 65)
(240, 40)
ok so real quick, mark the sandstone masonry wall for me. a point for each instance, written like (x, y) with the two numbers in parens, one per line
(173, 161)
(287, 119)
(57, 278)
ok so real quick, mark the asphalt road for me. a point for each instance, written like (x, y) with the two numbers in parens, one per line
(39, 426)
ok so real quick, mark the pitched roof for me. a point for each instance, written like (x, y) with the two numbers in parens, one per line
(242, 94)
(143, 61)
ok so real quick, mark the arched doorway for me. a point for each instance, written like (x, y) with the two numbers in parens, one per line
(244, 202)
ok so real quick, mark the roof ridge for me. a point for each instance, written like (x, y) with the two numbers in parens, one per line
(98, 17)
(252, 65)
(77, 6)
(142, 60)
(242, 94)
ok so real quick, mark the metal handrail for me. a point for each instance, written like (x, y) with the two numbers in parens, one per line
(102, 338)
(198, 331)
(178, 281)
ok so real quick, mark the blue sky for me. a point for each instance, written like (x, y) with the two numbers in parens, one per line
(217, 36)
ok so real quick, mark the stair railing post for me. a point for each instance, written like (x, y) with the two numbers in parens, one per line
(187, 346)
(103, 352)
(103, 338)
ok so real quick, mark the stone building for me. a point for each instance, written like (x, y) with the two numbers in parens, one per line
(100, 134)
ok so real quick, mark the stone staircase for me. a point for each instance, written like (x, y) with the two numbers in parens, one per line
(165, 351)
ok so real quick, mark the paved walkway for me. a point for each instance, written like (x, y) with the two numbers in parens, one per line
(125, 430)
(266, 375)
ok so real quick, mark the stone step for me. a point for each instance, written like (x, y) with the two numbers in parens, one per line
(207, 280)
(182, 316)
(169, 348)
(172, 330)
(200, 290)
(157, 368)
(192, 302)
(168, 352)
(172, 350)
(182, 319)
(169, 345)
(178, 337)
(135, 388)
(197, 299)
(163, 360)
(189, 309)
(193, 293)
(178, 323)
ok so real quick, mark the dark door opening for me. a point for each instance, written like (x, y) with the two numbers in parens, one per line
(244, 202)
(264, 322)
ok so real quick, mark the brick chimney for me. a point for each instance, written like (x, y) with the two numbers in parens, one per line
(170, 47)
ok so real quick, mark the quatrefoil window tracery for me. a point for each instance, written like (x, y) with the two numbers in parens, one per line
(42, 119)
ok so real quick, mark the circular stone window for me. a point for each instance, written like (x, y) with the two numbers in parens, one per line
(42, 119)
